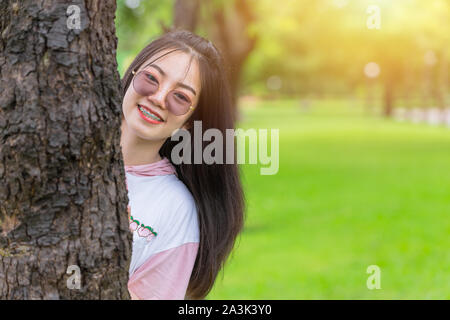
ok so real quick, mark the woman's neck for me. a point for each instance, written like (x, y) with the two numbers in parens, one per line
(137, 151)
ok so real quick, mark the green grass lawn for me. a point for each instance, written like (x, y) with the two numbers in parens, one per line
(352, 190)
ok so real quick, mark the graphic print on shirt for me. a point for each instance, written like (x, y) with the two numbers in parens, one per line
(142, 230)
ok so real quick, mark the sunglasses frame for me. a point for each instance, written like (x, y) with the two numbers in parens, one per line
(134, 73)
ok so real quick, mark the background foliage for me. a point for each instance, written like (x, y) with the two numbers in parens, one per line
(353, 189)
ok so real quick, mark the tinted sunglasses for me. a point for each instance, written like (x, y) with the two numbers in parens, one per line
(146, 84)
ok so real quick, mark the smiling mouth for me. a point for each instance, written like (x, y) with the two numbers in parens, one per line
(149, 115)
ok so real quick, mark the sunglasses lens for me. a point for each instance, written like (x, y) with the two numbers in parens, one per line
(145, 84)
(178, 103)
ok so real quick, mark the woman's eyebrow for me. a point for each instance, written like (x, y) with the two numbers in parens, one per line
(178, 83)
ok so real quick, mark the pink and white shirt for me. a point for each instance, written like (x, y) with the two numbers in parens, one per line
(163, 218)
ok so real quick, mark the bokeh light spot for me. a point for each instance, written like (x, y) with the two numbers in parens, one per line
(274, 83)
(372, 70)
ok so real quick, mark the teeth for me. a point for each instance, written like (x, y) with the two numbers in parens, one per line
(150, 115)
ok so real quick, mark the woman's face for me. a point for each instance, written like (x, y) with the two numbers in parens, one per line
(170, 73)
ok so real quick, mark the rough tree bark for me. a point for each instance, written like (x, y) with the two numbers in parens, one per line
(63, 198)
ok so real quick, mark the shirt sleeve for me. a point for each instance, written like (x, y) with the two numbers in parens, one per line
(165, 275)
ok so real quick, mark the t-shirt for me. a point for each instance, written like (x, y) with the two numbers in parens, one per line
(163, 219)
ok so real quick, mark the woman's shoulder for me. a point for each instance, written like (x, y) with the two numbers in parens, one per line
(171, 203)
(162, 191)
(165, 204)
(178, 195)
(180, 216)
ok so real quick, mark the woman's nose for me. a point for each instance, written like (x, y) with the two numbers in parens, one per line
(159, 98)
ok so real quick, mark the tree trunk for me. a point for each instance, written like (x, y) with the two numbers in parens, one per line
(388, 99)
(186, 14)
(63, 198)
(229, 32)
(226, 23)
(370, 101)
(443, 80)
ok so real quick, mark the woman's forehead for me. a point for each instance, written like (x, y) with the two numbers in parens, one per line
(174, 62)
(177, 65)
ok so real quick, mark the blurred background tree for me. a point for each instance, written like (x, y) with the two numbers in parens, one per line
(353, 189)
(225, 23)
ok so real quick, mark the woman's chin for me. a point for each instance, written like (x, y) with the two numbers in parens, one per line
(144, 132)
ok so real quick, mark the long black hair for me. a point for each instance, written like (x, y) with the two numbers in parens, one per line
(216, 188)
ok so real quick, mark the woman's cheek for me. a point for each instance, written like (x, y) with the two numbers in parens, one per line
(127, 102)
(172, 126)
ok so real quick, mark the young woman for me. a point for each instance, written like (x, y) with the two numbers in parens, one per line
(185, 218)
